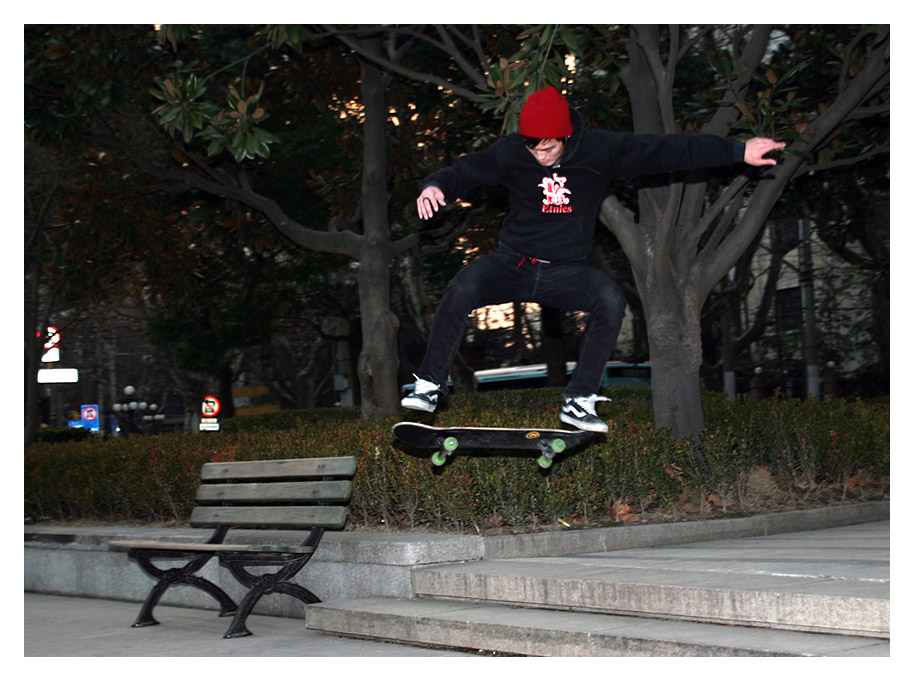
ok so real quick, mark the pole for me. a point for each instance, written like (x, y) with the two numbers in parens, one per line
(806, 278)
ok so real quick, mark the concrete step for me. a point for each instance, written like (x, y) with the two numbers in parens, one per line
(551, 633)
(762, 601)
(837, 586)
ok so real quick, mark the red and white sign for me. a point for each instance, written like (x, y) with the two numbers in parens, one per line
(211, 406)
(89, 413)
(52, 338)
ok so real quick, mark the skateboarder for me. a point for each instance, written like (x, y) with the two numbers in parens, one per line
(556, 173)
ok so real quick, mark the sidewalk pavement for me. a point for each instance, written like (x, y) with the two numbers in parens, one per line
(63, 626)
(87, 627)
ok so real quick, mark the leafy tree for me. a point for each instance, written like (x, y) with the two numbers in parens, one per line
(77, 71)
(680, 234)
(688, 233)
(46, 182)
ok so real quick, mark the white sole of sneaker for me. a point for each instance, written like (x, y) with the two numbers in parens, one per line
(589, 427)
(419, 405)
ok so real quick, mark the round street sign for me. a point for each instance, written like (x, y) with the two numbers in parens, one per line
(52, 338)
(211, 406)
(89, 413)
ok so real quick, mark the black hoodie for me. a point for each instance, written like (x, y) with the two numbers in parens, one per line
(553, 210)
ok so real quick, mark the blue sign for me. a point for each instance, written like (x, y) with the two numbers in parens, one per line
(90, 417)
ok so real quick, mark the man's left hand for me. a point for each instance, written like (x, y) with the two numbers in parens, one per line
(755, 149)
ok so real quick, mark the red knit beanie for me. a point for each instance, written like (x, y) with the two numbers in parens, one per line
(545, 115)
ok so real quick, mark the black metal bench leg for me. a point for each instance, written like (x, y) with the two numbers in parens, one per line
(172, 576)
(260, 585)
(145, 618)
(227, 606)
(238, 626)
(264, 586)
(298, 591)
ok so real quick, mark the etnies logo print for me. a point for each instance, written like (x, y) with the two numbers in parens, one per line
(556, 195)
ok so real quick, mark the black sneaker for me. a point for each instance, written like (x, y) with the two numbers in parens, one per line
(423, 396)
(580, 412)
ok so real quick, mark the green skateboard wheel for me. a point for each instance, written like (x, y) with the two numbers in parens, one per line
(438, 458)
(558, 446)
(544, 461)
(450, 444)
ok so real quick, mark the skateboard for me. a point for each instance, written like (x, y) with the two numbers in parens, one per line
(549, 443)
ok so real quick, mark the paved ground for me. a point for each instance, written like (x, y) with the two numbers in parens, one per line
(58, 626)
(71, 627)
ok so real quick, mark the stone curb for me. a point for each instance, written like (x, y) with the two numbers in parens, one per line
(424, 548)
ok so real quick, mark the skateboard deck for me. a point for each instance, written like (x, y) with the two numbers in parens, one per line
(547, 442)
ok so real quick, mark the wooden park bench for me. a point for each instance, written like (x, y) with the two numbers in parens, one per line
(309, 495)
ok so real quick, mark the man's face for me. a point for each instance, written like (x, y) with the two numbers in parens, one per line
(548, 152)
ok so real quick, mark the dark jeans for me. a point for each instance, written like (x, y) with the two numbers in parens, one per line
(505, 277)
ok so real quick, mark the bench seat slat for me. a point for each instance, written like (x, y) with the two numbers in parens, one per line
(274, 517)
(341, 466)
(333, 490)
(211, 548)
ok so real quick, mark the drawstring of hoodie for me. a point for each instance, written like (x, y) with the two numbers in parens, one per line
(534, 261)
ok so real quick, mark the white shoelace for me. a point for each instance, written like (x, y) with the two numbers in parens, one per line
(423, 387)
(588, 403)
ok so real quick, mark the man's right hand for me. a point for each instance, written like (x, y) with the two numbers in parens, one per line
(429, 202)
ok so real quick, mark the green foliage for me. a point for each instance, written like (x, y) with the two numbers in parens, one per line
(292, 419)
(180, 111)
(539, 62)
(73, 71)
(63, 434)
(813, 443)
(235, 127)
(773, 107)
(634, 468)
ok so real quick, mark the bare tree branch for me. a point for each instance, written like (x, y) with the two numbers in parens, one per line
(376, 58)
(843, 162)
(689, 44)
(456, 54)
(844, 74)
(727, 206)
(346, 243)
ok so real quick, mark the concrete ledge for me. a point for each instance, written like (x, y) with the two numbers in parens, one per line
(663, 534)
(76, 561)
(382, 548)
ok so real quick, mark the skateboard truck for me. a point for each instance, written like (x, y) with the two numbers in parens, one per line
(447, 445)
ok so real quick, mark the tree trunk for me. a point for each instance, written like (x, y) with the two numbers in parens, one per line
(675, 351)
(226, 392)
(554, 347)
(32, 360)
(378, 363)
(677, 252)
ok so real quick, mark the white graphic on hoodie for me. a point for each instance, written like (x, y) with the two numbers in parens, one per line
(556, 195)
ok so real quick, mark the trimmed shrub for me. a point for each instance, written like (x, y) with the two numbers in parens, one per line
(63, 434)
(820, 451)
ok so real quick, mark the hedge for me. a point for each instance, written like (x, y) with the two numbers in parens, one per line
(806, 447)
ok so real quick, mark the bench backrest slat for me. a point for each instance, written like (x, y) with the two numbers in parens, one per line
(340, 466)
(330, 490)
(282, 494)
(270, 517)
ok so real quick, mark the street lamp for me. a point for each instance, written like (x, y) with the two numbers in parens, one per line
(133, 407)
